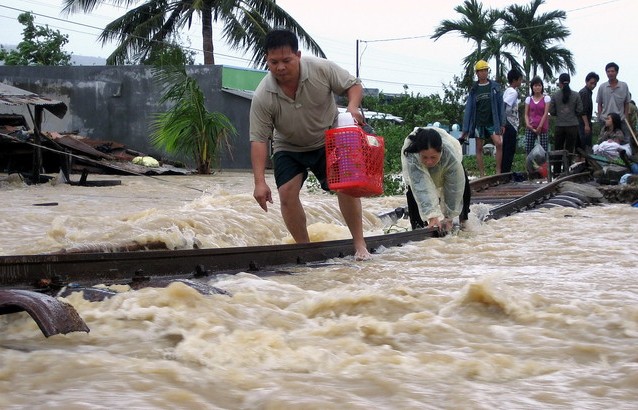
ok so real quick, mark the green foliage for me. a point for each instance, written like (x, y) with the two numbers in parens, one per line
(454, 95)
(161, 54)
(476, 24)
(417, 110)
(187, 128)
(469, 162)
(595, 132)
(519, 161)
(312, 184)
(393, 184)
(39, 46)
(535, 35)
(393, 137)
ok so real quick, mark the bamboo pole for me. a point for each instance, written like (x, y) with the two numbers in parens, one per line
(631, 131)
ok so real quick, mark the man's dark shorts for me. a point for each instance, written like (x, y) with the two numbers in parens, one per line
(289, 164)
(484, 132)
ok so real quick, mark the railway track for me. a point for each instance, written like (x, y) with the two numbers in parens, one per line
(498, 189)
(32, 283)
(509, 196)
(57, 270)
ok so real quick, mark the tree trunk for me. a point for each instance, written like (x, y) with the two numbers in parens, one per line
(204, 168)
(207, 34)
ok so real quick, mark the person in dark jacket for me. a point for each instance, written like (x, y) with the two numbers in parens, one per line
(484, 116)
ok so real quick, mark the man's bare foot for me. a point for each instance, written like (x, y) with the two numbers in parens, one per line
(362, 255)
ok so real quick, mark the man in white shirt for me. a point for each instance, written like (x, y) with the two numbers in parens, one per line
(510, 100)
(614, 96)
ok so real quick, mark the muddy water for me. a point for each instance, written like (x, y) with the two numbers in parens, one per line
(537, 310)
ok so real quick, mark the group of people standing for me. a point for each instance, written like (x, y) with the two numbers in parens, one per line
(492, 115)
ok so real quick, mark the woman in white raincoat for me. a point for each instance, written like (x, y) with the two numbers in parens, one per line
(431, 161)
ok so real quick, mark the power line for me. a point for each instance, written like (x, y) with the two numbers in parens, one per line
(199, 51)
(429, 36)
(103, 30)
(394, 39)
(246, 61)
(401, 83)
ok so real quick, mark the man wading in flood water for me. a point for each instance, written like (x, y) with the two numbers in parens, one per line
(294, 105)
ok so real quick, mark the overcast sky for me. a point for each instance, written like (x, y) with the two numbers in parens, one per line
(394, 36)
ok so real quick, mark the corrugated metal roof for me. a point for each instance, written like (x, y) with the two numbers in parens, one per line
(10, 95)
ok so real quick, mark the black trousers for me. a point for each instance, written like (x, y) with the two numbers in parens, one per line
(564, 138)
(413, 209)
(584, 141)
(509, 147)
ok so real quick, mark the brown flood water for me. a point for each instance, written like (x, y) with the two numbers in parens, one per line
(537, 310)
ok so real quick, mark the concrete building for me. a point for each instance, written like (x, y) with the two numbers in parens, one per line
(118, 103)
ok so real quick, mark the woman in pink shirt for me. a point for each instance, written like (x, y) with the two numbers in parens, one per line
(536, 116)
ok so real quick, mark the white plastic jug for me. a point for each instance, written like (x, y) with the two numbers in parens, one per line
(345, 119)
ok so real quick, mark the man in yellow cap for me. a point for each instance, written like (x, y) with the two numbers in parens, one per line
(484, 116)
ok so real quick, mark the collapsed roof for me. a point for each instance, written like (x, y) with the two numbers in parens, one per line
(10, 95)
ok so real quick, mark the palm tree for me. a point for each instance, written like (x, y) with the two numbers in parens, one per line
(476, 24)
(245, 24)
(188, 128)
(495, 49)
(534, 35)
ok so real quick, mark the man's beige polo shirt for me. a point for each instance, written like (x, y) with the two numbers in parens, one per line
(299, 124)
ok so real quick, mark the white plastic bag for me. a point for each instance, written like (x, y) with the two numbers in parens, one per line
(536, 158)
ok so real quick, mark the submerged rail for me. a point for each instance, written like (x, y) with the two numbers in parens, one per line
(57, 270)
(30, 282)
(44, 271)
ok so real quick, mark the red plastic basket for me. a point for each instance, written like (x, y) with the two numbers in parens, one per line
(354, 161)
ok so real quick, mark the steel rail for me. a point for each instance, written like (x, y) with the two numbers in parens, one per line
(31, 281)
(534, 198)
(33, 271)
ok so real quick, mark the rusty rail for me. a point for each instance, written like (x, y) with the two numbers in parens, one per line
(35, 277)
(535, 197)
(52, 315)
(58, 270)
